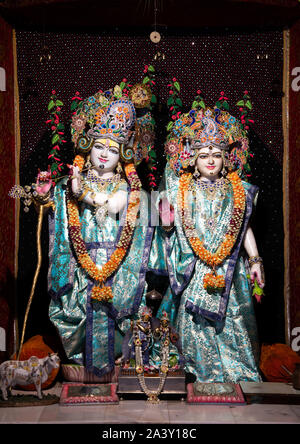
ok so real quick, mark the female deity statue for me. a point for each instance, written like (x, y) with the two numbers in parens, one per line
(98, 253)
(207, 246)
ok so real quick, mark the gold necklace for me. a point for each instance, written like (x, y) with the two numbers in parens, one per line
(163, 369)
(210, 189)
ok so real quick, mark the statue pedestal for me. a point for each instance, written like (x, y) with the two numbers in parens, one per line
(129, 387)
(78, 373)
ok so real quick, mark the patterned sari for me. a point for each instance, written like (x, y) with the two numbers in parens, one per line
(217, 330)
(88, 329)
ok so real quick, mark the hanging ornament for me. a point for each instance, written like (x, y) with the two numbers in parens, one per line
(159, 56)
(44, 56)
(155, 37)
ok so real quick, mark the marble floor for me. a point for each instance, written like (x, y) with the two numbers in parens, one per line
(166, 412)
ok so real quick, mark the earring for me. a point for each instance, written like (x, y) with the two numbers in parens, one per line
(119, 169)
(228, 164)
(224, 171)
(88, 163)
(196, 174)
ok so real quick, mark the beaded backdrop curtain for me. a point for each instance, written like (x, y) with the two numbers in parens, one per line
(212, 61)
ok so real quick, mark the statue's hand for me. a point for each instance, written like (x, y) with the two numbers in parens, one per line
(100, 199)
(166, 212)
(74, 173)
(43, 182)
(257, 273)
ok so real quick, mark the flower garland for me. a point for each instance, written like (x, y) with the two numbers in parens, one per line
(212, 280)
(99, 291)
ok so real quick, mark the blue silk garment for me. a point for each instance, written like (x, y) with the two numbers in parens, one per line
(217, 330)
(88, 329)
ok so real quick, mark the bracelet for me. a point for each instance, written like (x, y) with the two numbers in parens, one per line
(255, 260)
(78, 193)
(42, 199)
(83, 194)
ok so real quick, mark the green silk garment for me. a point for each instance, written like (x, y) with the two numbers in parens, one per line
(88, 329)
(217, 329)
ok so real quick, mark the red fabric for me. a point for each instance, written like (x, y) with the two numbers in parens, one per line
(294, 182)
(7, 154)
(278, 362)
(7, 174)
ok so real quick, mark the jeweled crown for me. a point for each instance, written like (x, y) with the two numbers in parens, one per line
(115, 122)
(104, 115)
(112, 114)
(203, 127)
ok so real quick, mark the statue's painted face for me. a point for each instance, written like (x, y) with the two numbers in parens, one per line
(105, 155)
(209, 162)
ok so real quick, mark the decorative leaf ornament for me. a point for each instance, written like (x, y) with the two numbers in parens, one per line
(142, 96)
(174, 102)
(245, 106)
(242, 154)
(198, 102)
(149, 79)
(222, 103)
(57, 136)
(25, 194)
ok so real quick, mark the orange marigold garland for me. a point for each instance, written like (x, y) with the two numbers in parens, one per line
(100, 292)
(212, 280)
(79, 161)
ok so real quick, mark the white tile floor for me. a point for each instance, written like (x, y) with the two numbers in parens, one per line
(166, 412)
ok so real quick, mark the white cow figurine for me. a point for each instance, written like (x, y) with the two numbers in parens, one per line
(33, 371)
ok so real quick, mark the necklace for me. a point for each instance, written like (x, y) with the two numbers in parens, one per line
(100, 292)
(101, 182)
(214, 192)
(164, 367)
(212, 280)
(209, 188)
(101, 211)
